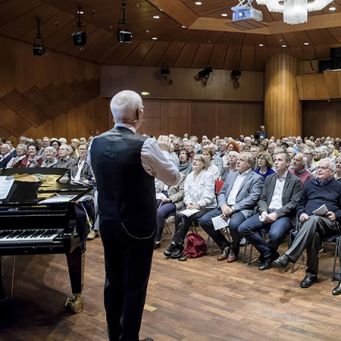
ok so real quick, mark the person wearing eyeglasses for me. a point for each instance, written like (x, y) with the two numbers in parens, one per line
(324, 189)
(125, 165)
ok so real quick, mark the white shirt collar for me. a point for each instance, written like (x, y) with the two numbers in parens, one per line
(126, 125)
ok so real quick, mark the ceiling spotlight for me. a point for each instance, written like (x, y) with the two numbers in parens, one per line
(224, 14)
(183, 26)
(260, 45)
(38, 47)
(154, 38)
(145, 93)
(332, 9)
(156, 17)
(203, 75)
(284, 45)
(123, 34)
(305, 44)
(198, 3)
(79, 35)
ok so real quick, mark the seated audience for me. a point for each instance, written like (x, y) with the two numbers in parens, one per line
(5, 155)
(33, 160)
(49, 157)
(275, 211)
(198, 194)
(322, 190)
(236, 202)
(231, 165)
(20, 160)
(338, 168)
(185, 165)
(298, 168)
(170, 204)
(264, 164)
(208, 153)
(65, 160)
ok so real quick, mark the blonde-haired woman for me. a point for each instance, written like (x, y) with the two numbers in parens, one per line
(199, 194)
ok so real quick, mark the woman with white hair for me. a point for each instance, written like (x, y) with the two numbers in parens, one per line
(50, 157)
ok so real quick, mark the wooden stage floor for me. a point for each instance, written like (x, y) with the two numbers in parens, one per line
(197, 300)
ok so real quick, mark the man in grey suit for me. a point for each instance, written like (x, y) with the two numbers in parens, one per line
(236, 201)
(276, 210)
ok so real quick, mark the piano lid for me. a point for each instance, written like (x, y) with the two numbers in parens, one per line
(34, 184)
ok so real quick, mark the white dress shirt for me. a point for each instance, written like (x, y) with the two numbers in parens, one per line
(155, 162)
(276, 200)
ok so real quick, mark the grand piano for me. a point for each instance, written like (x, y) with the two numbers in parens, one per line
(38, 217)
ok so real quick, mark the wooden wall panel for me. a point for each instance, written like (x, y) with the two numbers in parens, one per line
(321, 118)
(282, 107)
(184, 86)
(48, 95)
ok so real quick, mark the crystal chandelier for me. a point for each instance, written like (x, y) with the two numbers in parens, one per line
(294, 11)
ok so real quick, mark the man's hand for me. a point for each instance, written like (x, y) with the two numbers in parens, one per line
(272, 217)
(164, 143)
(227, 210)
(331, 215)
(304, 217)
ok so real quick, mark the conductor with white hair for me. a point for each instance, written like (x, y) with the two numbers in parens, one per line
(124, 164)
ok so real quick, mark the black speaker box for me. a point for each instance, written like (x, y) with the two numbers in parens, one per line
(325, 64)
(335, 55)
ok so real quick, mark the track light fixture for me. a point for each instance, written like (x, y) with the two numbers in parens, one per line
(203, 75)
(123, 34)
(79, 35)
(234, 76)
(165, 76)
(38, 47)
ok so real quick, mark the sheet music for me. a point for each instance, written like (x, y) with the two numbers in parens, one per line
(5, 186)
(189, 211)
(58, 199)
(219, 222)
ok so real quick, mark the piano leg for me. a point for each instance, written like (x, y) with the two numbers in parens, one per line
(75, 261)
(2, 291)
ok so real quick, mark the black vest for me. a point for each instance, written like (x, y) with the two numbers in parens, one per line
(126, 192)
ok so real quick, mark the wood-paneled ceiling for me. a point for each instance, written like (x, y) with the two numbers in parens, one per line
(187, 35)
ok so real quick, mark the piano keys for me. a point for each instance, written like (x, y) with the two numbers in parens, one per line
(28, 227)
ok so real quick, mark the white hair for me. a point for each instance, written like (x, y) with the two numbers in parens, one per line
(125, 104)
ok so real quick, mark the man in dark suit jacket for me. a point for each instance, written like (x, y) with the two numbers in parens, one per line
(276, 209)
(236, 201)
(323, 190)
(124, 164)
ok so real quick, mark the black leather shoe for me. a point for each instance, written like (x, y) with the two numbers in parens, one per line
(281, 263)
(265, 265)
(157, 245)
(177, 253)
(308, 281)
(171, 248)
(337, 289)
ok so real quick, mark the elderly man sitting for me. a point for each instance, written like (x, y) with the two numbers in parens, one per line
(322, 190)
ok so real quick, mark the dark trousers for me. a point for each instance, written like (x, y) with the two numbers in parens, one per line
(251, 229)
(235, 220)
(163, 212)
(127, 268)
(309, 237)
(183, 223)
